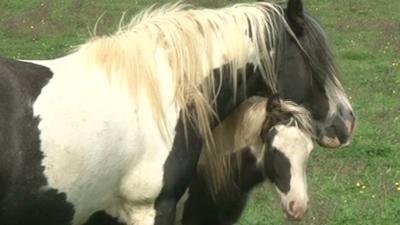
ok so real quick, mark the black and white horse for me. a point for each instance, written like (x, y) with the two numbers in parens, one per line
(118, 125)
(265, 141)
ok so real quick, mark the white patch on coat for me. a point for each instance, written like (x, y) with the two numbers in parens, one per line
(296, 146)
(99, 149)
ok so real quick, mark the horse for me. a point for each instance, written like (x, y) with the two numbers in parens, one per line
(117, 125)
(266, 139)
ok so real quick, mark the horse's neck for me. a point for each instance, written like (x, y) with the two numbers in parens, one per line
(202, 208)
(228, 136)
(227, 209)
(246, 123)
(224, 134)
(249, 173)
(233, 134)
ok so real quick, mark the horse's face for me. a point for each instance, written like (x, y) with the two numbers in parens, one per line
(285, 159)
(309, 78)
(285, 165)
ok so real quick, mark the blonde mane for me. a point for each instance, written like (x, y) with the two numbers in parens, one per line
(190, 38)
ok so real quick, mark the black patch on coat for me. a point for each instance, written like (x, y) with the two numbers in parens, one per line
(102, 218)
(23, 201)
(277, 165)
(201, 209)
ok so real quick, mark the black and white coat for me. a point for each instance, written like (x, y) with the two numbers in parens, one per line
(73, 145)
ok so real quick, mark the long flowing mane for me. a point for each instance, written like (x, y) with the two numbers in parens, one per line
(195, 42)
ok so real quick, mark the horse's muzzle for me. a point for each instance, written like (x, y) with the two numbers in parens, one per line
(295, 211)
(339, 133)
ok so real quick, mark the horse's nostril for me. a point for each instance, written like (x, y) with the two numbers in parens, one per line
(291, 206)
(353, 115)
(341, 111)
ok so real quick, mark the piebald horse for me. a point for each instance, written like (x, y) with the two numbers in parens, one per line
(262, 139)
(117, 126)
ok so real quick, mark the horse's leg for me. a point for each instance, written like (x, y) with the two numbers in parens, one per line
(179, 168)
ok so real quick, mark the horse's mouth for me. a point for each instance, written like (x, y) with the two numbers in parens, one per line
(329, 142)
(331, 138)
(297, 215)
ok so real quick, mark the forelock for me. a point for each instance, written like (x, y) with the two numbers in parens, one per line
(291, 141)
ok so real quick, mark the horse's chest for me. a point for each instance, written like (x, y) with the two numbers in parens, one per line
(98, 149)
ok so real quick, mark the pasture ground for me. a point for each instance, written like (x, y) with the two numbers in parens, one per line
(356, 185)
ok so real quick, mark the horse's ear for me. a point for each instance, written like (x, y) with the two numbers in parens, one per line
(273, 102)
(295, 16)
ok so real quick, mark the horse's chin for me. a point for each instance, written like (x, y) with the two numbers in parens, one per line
(294, 217)
(291, 218)
(337, 133)
(329, 142)
(332, 137)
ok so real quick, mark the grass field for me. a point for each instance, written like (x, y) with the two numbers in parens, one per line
(354, 185)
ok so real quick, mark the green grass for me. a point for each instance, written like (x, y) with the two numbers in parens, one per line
(366, 38)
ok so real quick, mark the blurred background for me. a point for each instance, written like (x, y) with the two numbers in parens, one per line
(359, 184)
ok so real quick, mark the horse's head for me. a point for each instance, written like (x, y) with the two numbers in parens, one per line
(287, 149)
(307, 75)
